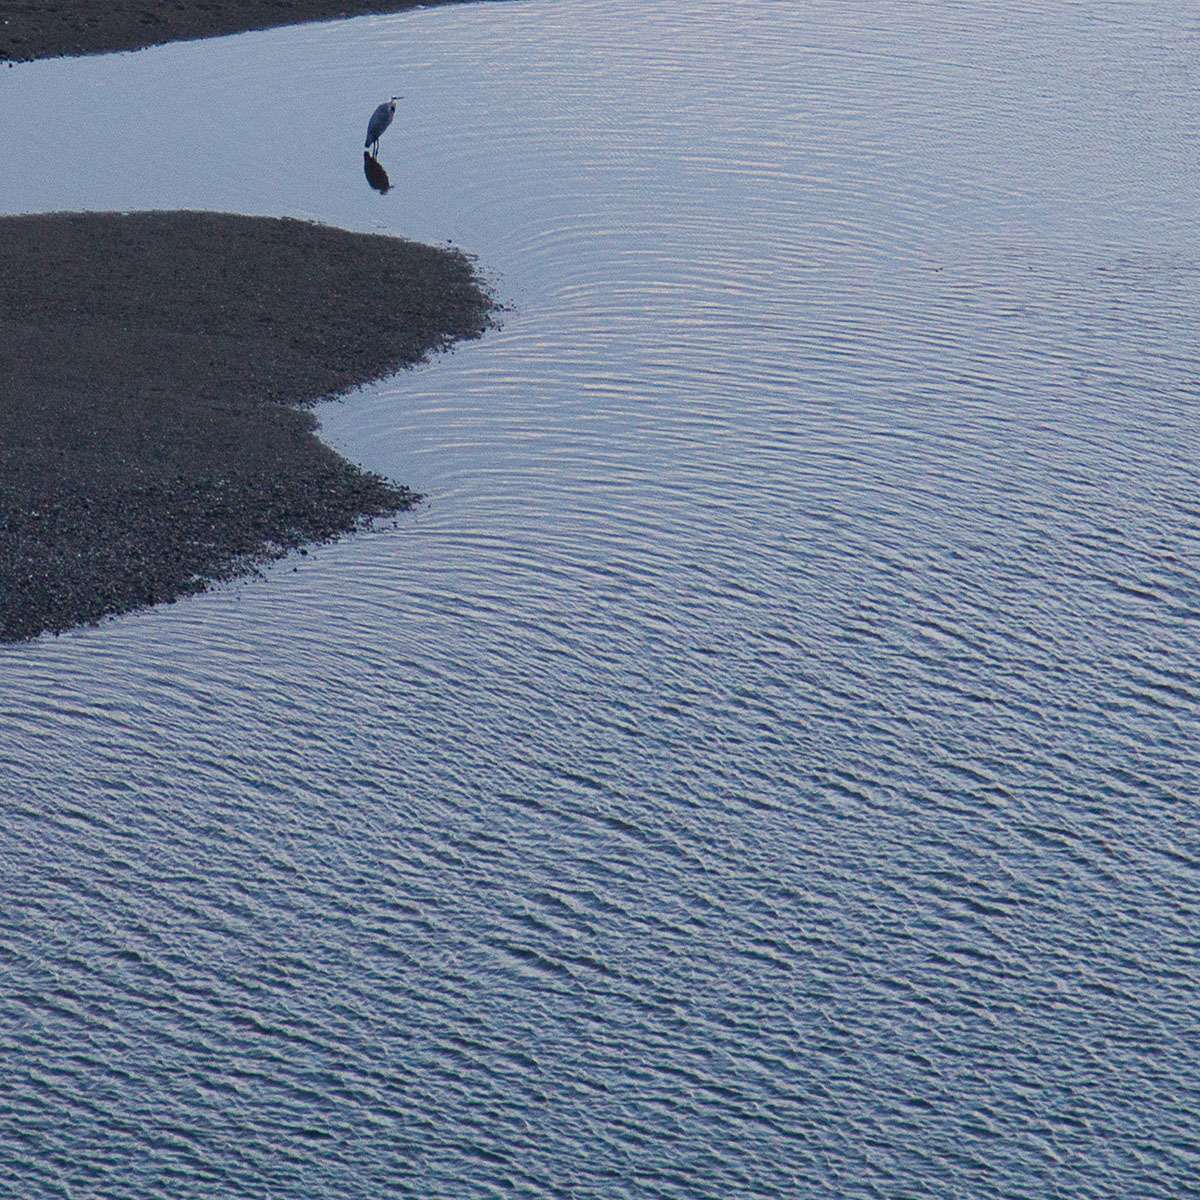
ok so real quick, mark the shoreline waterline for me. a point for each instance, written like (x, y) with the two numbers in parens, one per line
(154, 435)
(77, 27)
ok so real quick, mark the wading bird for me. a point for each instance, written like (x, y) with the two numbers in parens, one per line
(381, 118)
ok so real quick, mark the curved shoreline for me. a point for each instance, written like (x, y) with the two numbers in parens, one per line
(51, 28)
(154, 370)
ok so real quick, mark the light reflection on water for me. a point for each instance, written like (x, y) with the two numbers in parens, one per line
(766, 765)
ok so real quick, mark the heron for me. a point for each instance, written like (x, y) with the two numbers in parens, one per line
(381, 118)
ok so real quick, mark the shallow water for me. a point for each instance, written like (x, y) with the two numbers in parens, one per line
(767, 764)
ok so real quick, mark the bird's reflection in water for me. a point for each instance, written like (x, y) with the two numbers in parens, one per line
(377, 177)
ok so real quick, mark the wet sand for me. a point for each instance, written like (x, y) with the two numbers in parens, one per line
(156, 368)
(154, 373)
(48, 28)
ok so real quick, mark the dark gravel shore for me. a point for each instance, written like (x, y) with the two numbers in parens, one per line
(48, 28)
(153, 373)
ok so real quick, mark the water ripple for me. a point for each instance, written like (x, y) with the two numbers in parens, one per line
(765, 764)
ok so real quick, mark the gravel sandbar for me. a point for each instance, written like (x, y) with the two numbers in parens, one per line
(155, 373)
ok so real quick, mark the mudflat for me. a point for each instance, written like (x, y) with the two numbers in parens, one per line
(155, 370)
(48, 28)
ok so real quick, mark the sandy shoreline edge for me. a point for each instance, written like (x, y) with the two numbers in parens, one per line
(156, 369)
(154, 373)
(49, 28)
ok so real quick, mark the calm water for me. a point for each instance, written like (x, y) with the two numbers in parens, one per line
(767, 766)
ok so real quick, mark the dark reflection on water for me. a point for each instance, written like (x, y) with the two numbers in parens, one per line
(377, 177)
(767, 766)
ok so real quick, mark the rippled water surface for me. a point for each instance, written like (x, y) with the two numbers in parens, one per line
(767, 765)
